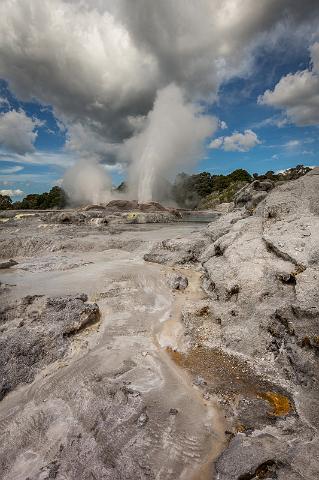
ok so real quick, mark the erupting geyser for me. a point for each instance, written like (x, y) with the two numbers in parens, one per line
(87, 182)
(172, 138)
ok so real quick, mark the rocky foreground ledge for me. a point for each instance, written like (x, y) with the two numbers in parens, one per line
(122, 381)
(254, 341)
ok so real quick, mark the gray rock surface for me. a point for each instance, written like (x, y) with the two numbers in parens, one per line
(259, 326)
(177, 251)
(224, 207)
(260, 456)
(253, 193)
(261, 274)
(36, 331)
(10, 263)
(177, 281)
(84, 401)
(250, 341)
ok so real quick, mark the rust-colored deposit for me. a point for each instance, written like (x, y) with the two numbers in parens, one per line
(230, 376)
(281, 405)
(225, 373)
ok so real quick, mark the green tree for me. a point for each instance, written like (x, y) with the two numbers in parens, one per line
(55, 198)
(240, 175)
(30, 202)
(5, 202)
(189, 189)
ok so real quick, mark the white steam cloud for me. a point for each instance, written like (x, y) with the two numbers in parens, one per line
(87, 182)
(172, 138)
(101, 64)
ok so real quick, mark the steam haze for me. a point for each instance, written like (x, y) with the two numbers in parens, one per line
(87, 182)
(172, 139)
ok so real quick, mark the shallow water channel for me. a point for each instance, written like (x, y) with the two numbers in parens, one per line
(161, 422)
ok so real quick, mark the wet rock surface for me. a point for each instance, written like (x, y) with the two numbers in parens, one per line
(86, 391)
(254, 340)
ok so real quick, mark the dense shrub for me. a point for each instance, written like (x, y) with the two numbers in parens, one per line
(189, 190)
(5, 202)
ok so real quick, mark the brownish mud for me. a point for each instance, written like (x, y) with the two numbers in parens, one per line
(229, 376)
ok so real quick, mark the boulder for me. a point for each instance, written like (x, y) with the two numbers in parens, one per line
(177, 251)
(67, 217)
(8, 264)
(224, 207)
(151, 207)
(261, 456)
(177, 281)
(253, 193)
(88, 208)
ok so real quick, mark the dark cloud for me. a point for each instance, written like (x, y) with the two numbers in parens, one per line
(99, 63)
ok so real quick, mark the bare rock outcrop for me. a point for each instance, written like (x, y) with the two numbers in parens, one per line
(253, 193)
(259, 326)
(261, 274)
(37, 331)
(177, 281)
(8, 264)
(177, 251)
(133, 205)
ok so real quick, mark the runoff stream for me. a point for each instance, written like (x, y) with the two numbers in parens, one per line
(179, 433)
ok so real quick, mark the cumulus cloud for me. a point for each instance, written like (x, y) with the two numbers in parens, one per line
(298, 93)
(18, 132)
(105, 67)
(200, 44)
(100, 63)
(222, 125)
(80, 60)
(237, 142)
(12, 193)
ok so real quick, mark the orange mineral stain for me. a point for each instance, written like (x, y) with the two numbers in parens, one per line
(281, 405)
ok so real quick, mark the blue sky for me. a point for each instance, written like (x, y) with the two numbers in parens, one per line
(60, 105)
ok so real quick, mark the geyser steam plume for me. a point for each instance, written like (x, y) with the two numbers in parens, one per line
(172, 139)
(87, 182)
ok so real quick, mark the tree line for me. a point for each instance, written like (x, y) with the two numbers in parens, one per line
(56, 198)
(201, 190)
(205, 190)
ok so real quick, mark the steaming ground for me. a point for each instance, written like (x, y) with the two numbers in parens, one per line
(110, 403)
